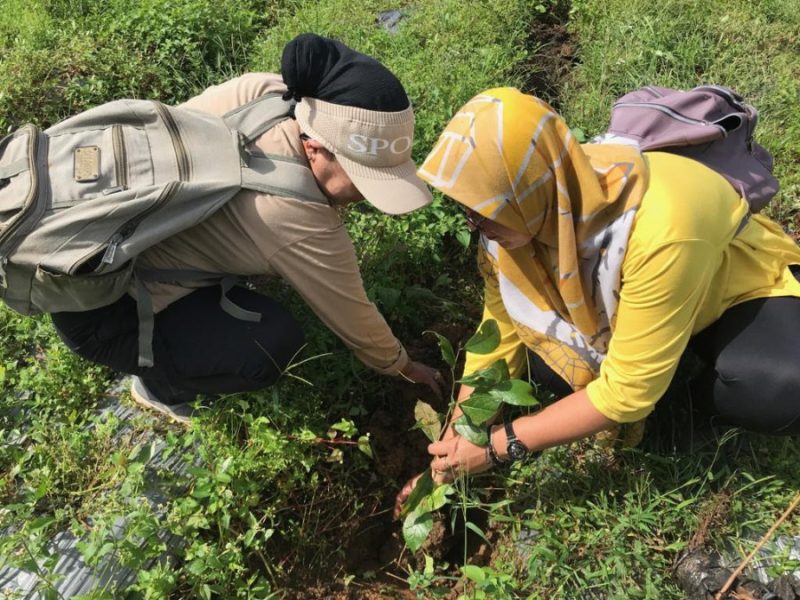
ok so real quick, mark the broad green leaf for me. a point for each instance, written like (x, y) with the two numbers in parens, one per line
(485, 340)
(470, 432)
(141, 453)
(364, 446)
(474, 572)
(436, 499)
(514, 391)
(41, 523)
(464, 237)
(446, 349)
(423, 489)
(492, 375)
(346, 427)
(223, 477)
(480, 407)
(428, 420)
(416, 528)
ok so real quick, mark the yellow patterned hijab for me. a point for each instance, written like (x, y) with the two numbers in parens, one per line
(509, 157)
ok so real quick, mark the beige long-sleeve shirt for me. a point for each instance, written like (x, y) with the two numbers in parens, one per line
(305, 243)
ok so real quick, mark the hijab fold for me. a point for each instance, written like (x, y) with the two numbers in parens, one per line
(509, 157)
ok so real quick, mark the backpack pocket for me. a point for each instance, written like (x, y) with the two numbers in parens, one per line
(89, 162)
(19, 185)
(58, 292)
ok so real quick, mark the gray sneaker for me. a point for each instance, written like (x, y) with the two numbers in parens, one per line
(181, 413)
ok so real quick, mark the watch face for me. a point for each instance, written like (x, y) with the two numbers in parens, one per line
(516, 450)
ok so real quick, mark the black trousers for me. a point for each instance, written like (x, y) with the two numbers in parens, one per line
(751, 377)
(197, 347)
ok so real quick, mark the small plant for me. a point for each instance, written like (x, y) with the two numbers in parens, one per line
(493, 387)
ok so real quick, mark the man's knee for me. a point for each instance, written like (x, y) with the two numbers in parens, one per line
(278, 346)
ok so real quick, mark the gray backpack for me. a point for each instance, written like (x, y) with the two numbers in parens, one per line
(710, 124)
(80, 200)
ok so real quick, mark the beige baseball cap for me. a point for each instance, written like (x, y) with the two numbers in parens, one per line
(374, 149)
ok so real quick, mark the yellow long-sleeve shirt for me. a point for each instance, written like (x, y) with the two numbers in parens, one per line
(684, 266)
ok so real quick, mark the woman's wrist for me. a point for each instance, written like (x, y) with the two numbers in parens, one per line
(497, 441)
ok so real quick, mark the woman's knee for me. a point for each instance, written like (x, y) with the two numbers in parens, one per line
(762, 397)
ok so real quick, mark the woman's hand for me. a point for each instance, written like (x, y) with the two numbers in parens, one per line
(457, 456)
(453, 456)
(418, 372)
(403, 495)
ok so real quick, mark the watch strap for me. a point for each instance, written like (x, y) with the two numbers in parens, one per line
(515, 449)
(510, 435)
(494, 460)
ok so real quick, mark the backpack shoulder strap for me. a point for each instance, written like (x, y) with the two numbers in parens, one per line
(259, 115)
(281, 176)
(271, 174)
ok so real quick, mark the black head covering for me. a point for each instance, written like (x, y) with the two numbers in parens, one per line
(328, 70)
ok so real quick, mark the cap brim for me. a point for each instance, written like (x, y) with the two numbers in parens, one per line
(393, 190)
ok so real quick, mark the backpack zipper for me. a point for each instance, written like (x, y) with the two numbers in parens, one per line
(127, 228)
(672, 113)
(182, 155)
(120, 157)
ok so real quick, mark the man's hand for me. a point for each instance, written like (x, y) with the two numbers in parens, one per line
(418, 372)
(457, 456)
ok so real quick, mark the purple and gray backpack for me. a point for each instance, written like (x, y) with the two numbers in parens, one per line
(710, 124)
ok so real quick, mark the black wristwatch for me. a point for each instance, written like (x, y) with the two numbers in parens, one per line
(516, 450)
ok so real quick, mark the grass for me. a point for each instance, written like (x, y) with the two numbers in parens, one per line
(275, 504)
(751, 47)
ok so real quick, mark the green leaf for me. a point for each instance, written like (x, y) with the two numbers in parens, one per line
(346, 426)
(428, 420)
(464, 237)
(580, 135)
(474, 572)
(471, 432)
(492, 375)
(485, 340)
(41, 523)
(515, 392)
(446, 349)
(141, 453)
(364, 446)
(474, 528)
(421, 490)
(205, 591)
(428, 572)
(436, 499)
(480, 407)
(416, 528)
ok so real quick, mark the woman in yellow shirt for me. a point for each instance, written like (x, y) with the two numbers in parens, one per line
(601, 264)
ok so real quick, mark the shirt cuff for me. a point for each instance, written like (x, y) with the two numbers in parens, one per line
(598, 393)
(395, 367)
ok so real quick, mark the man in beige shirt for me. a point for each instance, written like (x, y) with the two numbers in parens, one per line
(354, 130)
